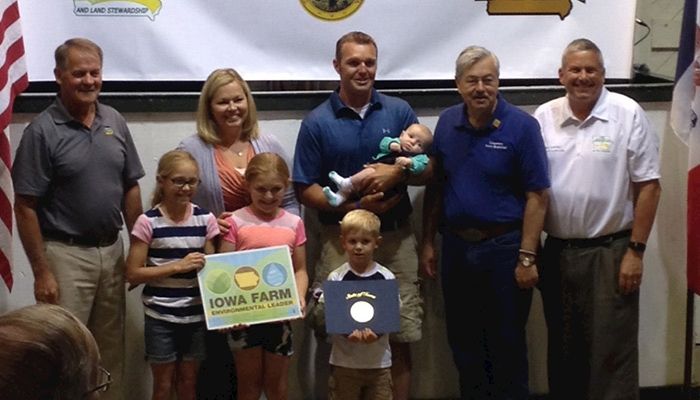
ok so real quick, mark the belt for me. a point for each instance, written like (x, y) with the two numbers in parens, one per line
(485, 232)
(592, 242)
(87, 241)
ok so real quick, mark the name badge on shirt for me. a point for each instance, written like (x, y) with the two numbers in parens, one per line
(602, 144)
(496, 145)
(109, 132)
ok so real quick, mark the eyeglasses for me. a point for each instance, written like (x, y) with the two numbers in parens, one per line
(182, 182)
(104, 381)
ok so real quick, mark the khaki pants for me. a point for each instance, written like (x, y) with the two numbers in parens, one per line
(91, 285)
(359, 384)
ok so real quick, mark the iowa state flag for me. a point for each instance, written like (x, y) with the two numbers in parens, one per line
(684, 121)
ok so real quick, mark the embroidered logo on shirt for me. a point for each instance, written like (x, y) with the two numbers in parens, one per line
(386, 131)
(109, 132)
(496, 145)
(602, 144)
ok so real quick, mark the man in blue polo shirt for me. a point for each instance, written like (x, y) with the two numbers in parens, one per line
(342, 134)
(488, 199)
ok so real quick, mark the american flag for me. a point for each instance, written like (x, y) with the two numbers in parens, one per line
(685, 110)
(13, 80)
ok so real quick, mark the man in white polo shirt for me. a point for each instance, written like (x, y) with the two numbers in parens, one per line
(603, 158)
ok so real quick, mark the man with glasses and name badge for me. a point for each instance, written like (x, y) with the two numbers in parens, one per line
(75, 174)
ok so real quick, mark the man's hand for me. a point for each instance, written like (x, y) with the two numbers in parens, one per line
(46, 287)
(428, 260)
(526, 277)
(630, 272)
(377, 204)
(384, 178)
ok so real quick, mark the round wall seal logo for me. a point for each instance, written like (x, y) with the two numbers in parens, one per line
(331, 10)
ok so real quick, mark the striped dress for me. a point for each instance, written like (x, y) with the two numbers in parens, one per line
(175, 298)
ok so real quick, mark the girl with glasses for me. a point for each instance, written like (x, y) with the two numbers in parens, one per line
(168, 245)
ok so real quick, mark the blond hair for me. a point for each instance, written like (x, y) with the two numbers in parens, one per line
(46, 353)
(267, 163)
(206, 128)
(166, 166)
(360, 220)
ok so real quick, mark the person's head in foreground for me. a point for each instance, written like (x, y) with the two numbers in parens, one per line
(48, 354)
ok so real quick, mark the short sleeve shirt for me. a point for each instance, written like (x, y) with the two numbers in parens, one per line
(333, 137)
(79, 174)
(594, 162)
(175, 298)
(488, 171)
(248, 231)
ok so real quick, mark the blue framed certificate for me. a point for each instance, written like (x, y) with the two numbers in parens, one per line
(362, 304)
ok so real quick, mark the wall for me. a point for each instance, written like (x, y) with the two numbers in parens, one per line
(662, 301)
(658, 51)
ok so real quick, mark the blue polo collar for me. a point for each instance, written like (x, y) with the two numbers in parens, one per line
(340, 109)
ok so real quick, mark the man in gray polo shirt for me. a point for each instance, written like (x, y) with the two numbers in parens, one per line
(75, 172)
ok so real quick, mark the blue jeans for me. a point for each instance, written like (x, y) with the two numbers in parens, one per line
(486, 314)
(168, 342)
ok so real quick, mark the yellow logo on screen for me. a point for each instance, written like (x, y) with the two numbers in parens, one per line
(562, 8)
(331, 10)
(117, 8)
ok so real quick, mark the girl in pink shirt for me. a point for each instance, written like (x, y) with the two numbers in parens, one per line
(262, 352)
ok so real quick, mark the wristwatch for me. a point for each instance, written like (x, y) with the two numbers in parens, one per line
(527, 260)
(639, 247)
